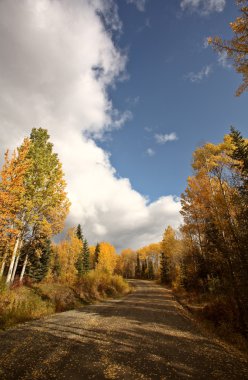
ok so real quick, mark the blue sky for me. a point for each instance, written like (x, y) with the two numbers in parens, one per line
(127, 91)
(164, 45)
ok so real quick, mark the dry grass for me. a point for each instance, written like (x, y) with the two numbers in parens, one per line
(216, 315)
(98, 285)
(23, 303)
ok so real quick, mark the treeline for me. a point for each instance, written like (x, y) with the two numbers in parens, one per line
(215, 231)
(33, 208)
(208, 255)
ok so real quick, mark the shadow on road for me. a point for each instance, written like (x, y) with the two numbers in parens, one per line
(144, 336)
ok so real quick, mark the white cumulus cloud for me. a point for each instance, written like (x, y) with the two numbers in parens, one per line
(162, 139)
(223, 60)
(197, 77)
(140, 4)
(203, 7)
(57, 60)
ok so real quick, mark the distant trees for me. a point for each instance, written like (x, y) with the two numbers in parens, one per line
(138, 267)
(237, 47)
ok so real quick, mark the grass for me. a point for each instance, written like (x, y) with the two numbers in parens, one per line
(23, 303)
(215, 314)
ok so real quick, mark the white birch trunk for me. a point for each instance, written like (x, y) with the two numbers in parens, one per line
(24, 267)
(3, 262)
(11, 267)
(2, 267)
(16, 263)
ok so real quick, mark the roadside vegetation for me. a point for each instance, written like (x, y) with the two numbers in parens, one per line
(37, 276)
(29, 301)
(206, 260)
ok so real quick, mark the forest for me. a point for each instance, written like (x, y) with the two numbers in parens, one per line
(207, 257)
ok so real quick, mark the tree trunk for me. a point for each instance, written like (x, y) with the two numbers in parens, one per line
(11, 267)
(3, 263)
(24, 267)
(16, 263)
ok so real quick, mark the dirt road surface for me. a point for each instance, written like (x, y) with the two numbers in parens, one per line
(146, 335)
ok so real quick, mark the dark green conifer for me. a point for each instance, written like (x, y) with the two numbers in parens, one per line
(79, 263)
(164, 270)
(79, 233)
(138, 267)
(86, 257)
(150, 270)
(39, 253)
(144, 271)
(96, 255)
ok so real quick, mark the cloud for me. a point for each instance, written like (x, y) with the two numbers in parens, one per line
(205, 42)
(56, 75)
(200, 75)
(150, 152)
(133, 101)
(148, 129)
(203, 7)
(223, 60)
(140, 4)
(162, 139)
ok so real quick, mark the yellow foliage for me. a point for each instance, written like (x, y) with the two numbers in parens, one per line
(107, 258)
(67, 252)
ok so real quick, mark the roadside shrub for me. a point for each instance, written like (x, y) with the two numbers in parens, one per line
(62, 296)
(21, 304)
(98, 284)
(220, 311)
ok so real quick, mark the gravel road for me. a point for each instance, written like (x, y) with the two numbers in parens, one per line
(146, 335)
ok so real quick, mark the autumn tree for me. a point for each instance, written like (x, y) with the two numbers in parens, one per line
(212, 207)
(107, 258)
(237, 47)
(41, 202)
(12, 203)
(169, 250)
(65, 255)
(151, 252)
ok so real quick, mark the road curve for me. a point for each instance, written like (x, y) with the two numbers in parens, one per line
(147, 335)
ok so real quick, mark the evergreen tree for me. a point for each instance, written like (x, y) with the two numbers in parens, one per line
(164, 270)
(96, 255)
(138, 267)
(79, 233)
(39, 253)
(144, 269)
(150, 270)
(79, 263)
(86, 257)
